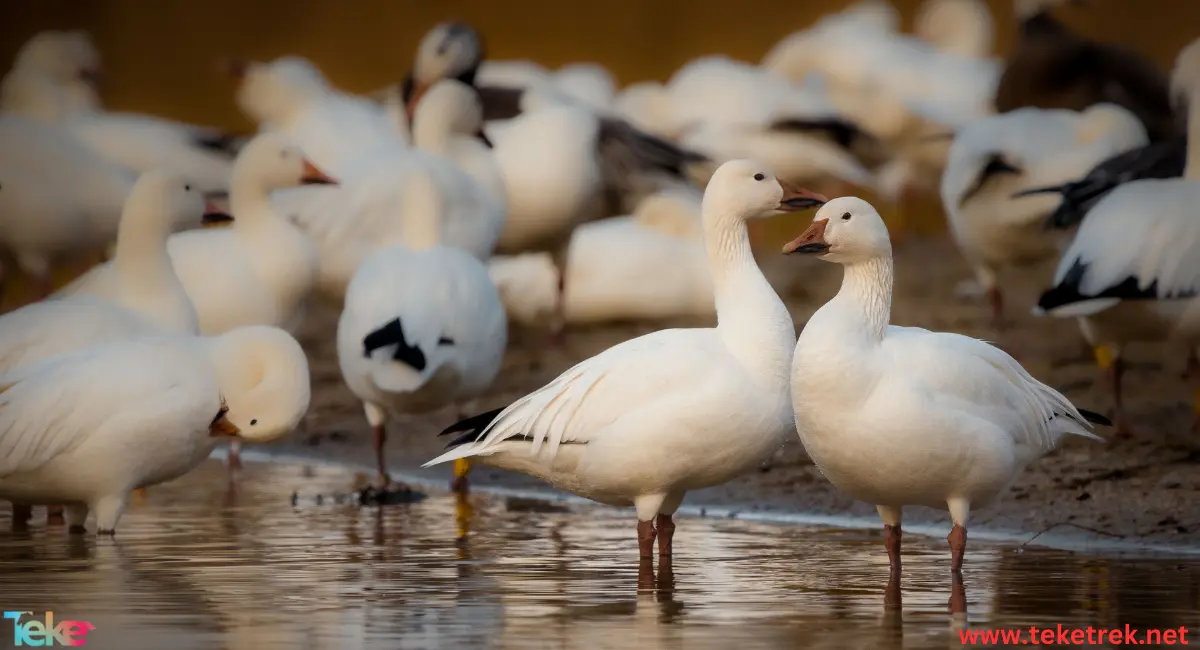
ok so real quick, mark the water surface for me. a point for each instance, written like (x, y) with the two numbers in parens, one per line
(207, 564)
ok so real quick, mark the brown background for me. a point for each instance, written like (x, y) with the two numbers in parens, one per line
(160, 54)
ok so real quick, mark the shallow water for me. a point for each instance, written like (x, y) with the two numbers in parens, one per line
(203, 564)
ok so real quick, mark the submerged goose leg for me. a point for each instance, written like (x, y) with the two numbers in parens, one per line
(891, 534)
(664, 525)
(960, 509)
(77, 515)
(108, 512)
(21, 514)
(459, 484)
(645, 532)
(648, 507)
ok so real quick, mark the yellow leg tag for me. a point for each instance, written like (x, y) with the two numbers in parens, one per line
(1104, 356)
(462, 467)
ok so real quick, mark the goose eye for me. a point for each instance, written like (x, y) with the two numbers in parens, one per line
(846, 217)
(187, 188)
(759, 177)
(254, 422)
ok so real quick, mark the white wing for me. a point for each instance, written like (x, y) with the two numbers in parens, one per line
(644, 373)
(1146, 230)
(962, 373)
(54, 327)
(48, 408)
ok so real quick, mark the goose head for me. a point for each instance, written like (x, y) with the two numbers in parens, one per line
(263, 376)
(160, 202)
(529, 285)
(273, 162)
(845, 230)
(451, 50)
(270, 92)
(63, 56)
(747, 189)
(449, 107)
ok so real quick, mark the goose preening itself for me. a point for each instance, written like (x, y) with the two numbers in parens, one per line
(260, 270)
(448, 171)
(52, 80)
(649, 419)
(1052, 67)
(899, 416)
(291, 96)
(997, 157)
(86, 428)
(58, 199)
(1132, 273)
(422, 327)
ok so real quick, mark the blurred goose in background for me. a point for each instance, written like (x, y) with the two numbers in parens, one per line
(649, 419)
(52, 81)
(1052, 67)
(994, 158)
(550, 140)
(58, 198)
(448, 171)
(1132, 273)
(961, 27)
(260, 270)
(289, 95)
(148, 297)
(663, 271)
(88, 427)
(900, 416)
(422, 327)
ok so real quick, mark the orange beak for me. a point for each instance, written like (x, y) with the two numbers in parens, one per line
(797, 198)
(810, 241)
(221, 426)
(214, 216)
(314, 176)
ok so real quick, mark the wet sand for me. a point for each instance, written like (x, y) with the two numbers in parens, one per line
(1143, 489)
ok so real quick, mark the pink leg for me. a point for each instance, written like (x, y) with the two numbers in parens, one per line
(891, 541)
(665, 529)
(379, 438)
(646, 534)
(958, 546)
(54, 515)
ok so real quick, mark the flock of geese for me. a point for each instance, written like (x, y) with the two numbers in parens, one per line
(439, 209)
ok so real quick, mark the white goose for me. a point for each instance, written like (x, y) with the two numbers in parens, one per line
(448, 171)
(52, 81)
(422, 326)
(335, 129)
(148, 299)
(87, 428)
(260, 270)
(999, 156)
(900, 416)
(1132, 273)
(57, 197)
(649, 419)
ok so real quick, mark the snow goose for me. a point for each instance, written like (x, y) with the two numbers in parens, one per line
(53, 86)
(1132, 273)
(267, 266)
(58, 198)
(291, 96)
(1045, 70)
(994, 158)
(649, 419)
(555, 141)
(899, 416)
(87, 428)
(422, 326)
(448, 171)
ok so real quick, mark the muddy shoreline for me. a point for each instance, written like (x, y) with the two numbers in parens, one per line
(1143, 489)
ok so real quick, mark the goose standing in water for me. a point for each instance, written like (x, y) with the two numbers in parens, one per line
(899, 416)
(1132, 273)
(647, 420)
(87, 428)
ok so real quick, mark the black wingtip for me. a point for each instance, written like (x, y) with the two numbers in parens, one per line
(474, 423)
(1050, 189)
(1095, 418)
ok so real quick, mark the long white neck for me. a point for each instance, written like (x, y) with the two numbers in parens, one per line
(146, 280)
(751, 319)
(422, 207)
(249, 199)
(1191, 170)
(431, 133)
(865, 298)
